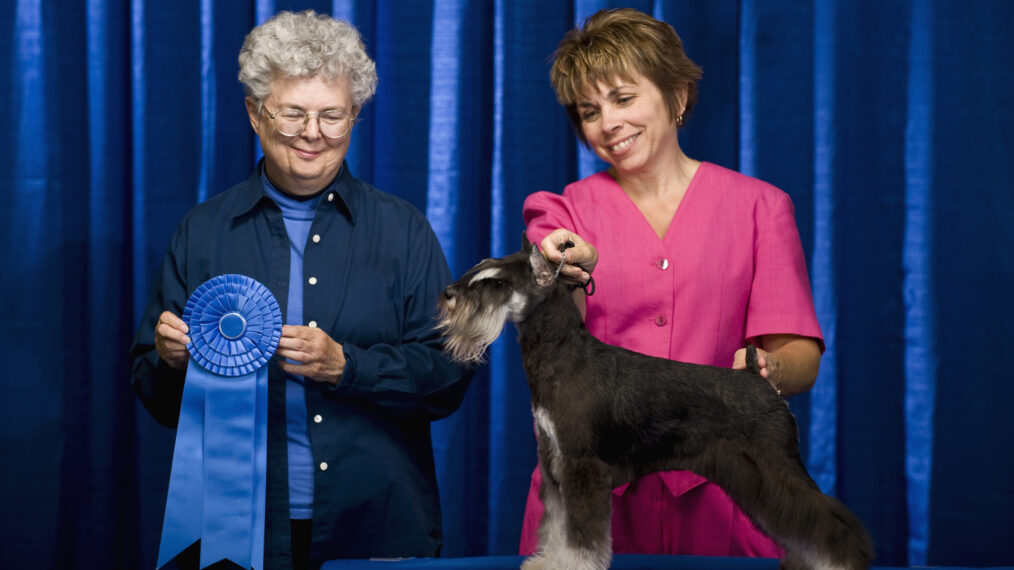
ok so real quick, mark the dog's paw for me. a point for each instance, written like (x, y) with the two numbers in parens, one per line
(566, 561)
(536, 562)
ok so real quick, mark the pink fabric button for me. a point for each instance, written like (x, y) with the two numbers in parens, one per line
(660, 320)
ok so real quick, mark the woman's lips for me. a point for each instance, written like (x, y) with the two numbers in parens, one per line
(624, 144)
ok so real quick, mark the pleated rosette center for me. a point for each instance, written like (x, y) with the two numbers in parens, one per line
(235, 324)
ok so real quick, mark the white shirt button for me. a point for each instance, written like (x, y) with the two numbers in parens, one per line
(317, 419)
(330, 197)
(312, 281)
(663, 264)
(323, 465)
(316, 238)
(312, 324)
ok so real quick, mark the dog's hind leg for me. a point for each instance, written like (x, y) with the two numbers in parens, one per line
(817, 531)
(836, 540)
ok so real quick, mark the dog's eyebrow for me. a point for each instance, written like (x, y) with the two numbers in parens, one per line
(486, 274)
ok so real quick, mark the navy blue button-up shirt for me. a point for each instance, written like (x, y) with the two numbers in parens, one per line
(371, 282)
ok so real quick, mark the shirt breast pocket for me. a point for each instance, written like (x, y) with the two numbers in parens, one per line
(372, 310)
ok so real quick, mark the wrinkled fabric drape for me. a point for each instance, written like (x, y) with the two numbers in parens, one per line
(888, 123)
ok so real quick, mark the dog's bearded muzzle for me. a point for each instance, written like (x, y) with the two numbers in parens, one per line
(467, 326)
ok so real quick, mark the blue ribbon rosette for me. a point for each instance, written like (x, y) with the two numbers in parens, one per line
(218, 479)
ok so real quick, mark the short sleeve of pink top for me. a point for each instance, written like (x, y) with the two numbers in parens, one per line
(730, 268)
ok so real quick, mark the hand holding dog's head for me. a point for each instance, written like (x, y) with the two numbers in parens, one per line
(475, 308)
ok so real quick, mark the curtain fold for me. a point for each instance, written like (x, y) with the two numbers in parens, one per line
(29, 192)
(457, 204)
(889, 125)
(920, 346)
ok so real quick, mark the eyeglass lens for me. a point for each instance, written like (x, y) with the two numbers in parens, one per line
(332, 124)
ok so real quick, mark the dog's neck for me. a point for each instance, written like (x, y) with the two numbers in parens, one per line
(554, 323)
(556, 312)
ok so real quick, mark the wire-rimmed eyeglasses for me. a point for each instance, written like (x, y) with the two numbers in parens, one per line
(331, 123)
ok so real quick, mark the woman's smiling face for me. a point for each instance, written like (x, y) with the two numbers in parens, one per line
(627, 124)
(303, 164)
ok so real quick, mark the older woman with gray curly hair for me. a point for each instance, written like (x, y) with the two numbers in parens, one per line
(296, 62)
(359, 373)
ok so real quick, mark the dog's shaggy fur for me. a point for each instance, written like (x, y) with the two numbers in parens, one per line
(606, 415)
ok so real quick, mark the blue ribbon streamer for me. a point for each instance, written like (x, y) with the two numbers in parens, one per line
(218, 480)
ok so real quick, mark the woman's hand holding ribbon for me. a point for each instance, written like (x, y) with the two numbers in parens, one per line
(171, 340)
(315, 355)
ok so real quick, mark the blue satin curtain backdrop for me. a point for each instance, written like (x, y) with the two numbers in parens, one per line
(889, 123)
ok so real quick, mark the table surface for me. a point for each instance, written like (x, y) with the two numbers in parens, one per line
(620, 561)
(623, 561)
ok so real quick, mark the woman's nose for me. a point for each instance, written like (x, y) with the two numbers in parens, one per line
(611, 120)
(312, 130)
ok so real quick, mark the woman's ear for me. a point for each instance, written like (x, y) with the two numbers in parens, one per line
(681, 101)
(253, 111)
(355, 119)
(678, 106)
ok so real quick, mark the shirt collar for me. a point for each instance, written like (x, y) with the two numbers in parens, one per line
(340, 193)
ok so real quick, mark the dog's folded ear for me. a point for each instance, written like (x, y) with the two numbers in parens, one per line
(544, 273)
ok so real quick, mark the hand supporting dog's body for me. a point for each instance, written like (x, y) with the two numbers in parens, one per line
(607, 415)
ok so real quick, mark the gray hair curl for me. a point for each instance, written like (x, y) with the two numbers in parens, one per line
(306, 44)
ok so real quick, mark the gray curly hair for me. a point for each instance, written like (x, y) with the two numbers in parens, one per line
(306, 44)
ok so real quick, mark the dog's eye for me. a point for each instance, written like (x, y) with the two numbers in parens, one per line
(498, 282)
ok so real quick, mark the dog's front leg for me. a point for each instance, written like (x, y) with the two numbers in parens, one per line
(575, 530)
(587, 495)
(552, 533)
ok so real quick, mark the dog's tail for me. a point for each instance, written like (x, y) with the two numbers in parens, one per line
(751, 359)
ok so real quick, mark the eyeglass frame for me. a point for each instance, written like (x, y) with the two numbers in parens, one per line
(353, 119)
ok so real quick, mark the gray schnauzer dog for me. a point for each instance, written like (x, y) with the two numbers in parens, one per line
(606, 415)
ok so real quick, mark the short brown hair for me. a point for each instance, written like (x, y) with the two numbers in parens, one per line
(618, 44)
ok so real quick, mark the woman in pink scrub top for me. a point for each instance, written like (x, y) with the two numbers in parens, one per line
(691, 262)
